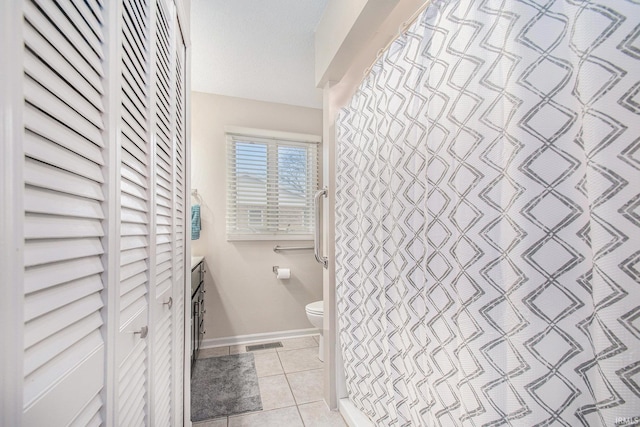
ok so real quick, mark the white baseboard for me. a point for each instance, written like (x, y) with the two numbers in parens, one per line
(352, 415)
(267, 336)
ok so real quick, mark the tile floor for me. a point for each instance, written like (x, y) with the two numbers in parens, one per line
(290, 380)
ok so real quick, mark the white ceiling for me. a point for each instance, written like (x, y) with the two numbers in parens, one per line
(256, 49)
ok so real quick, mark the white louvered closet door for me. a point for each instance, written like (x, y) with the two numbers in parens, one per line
(64, 222)
(180, 216)
(165, 245)
(135, 151)
(104, 171)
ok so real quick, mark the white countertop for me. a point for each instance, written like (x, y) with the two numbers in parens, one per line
(195, 260)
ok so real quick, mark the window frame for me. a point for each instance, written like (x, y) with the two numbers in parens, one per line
(269, 137)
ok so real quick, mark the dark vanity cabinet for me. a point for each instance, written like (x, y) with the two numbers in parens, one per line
(197, 309)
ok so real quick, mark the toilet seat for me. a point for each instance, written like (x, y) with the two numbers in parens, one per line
(315, 308)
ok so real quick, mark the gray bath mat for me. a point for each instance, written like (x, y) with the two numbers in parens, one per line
(225, 385)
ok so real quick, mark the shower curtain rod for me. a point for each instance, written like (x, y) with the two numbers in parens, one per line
(403, 27)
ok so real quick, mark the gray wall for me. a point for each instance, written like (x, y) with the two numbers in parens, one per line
(243, 295)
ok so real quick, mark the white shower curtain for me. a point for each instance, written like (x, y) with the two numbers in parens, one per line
(488, 218)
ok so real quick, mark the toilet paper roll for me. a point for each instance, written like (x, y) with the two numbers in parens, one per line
(284, 273)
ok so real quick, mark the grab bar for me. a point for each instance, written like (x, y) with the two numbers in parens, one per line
(317, 250)
(277, 248)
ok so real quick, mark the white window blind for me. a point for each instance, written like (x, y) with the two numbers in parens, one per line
(270, 186)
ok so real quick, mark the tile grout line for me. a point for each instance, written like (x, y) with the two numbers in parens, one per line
(300, 415)
(286, 376)
(295, 400)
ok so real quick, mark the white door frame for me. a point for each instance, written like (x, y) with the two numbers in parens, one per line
(11, 218)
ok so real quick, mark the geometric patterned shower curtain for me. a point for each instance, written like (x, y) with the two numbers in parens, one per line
(488, 219)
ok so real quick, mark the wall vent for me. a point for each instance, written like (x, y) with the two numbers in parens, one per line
(264, 346)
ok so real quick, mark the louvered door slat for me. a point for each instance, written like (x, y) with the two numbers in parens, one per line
(134, 190)
(133, 302)
(134, 196)
(41, 175)
(89, 415)
(164, 178)
(46, 201)
(131, 242)
(133, 255)
(38, 226)
(131, 143)
(61, 89)
(163, 158)
(92, 20)
(133, 216)
(139, 9)
(40, 123)
(42, 252)
(134, 78)
(96, 9)
(163, 61)
(134, 118)
(129, 117)
(129, 411)
(163, 212)
(58, 405)
(127, 373)
(136, 166)
(134, 178)
(49, 275)
(132, 386)
(41, 353)
(50, 34)
(51, 299)
(134, 42)
(56, 320)
(163, 101)
(134, 82)
(61, 350)
(131, 283)
(82, 41)
(37, 95)
(163, 371)
(131, 200)
(43, 49)
(84, 30)
(39, 148)
(134, 230)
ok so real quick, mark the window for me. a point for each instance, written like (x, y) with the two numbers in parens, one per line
(271, 180)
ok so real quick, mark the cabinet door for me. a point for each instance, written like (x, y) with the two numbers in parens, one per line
(64, 216)
(132, 379)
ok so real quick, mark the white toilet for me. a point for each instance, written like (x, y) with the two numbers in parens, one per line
(315, 310)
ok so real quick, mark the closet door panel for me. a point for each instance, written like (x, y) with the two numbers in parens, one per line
(164, 221)
(180, 220)
(64, 219)
(132, 351)
(103, 170)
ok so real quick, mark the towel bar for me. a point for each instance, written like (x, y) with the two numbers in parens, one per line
(277, 248)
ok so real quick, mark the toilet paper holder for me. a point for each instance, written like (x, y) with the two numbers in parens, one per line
(282, 273)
